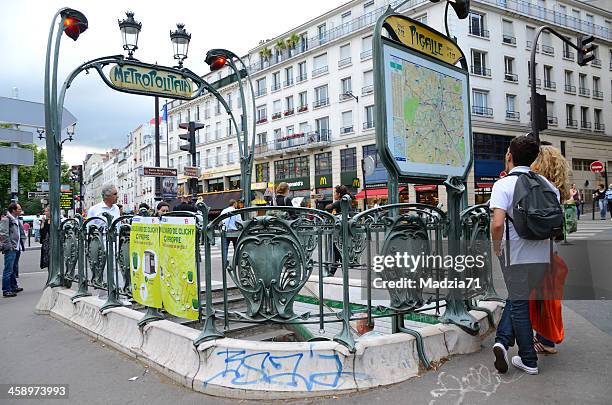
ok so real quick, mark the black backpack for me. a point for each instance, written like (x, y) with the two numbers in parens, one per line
(536, 210)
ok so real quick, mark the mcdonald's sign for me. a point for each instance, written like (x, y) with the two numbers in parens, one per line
(356, 183)
(323, 181)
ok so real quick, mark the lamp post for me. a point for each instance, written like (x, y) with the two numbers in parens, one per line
(130, 29)
(72, 23)
(216, 59)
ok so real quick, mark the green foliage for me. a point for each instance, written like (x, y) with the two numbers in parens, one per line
(28, 177)
(293, 40)
(265, 53)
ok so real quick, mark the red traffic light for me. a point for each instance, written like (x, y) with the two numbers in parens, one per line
(75, 23)
(218, 63)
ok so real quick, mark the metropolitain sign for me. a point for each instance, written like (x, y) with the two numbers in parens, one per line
(151, 81)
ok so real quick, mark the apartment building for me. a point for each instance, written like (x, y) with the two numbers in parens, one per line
(315, 105)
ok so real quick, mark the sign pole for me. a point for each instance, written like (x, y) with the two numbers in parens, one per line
(157, 158)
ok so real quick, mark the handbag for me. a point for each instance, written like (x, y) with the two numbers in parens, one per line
(545, 314)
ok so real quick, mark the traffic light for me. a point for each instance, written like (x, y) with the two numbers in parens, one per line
(217, 58)
(541, 114)
(585, 49)
(75, 23)
(189, 136)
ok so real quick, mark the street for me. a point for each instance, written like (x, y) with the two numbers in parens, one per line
(40, 349)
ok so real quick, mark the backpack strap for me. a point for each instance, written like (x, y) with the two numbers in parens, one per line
(507, 250)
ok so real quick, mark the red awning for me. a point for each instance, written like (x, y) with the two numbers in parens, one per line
(427, 187)
(374, 193)
(484, 185)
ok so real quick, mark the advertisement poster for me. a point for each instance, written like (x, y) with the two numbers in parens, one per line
(179, 290)
(145, 261)
(169, 187)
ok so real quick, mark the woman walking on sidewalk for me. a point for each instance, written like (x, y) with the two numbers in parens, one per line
(45, 227)
(575, 196)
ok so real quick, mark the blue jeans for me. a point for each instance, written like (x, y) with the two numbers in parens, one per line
(515, 324)
(603, 207)
(226, 243)
(11, 268)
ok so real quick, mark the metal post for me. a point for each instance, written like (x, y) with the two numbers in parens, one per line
(113, 296)
(157, 158)
(81, 235)
(365, 189)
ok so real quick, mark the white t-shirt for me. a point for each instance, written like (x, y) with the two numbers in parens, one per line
(36, 224)
(100, 208)
(230, 222)
(522, 251)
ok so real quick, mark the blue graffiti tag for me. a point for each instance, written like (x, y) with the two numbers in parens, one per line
(261, 367)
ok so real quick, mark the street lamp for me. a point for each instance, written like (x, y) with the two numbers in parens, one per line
(350, 94)
(180, 42)
(130, 29)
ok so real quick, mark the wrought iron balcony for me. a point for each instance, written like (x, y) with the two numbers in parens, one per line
(599, 126)
(277, 115)
(320, 103)
(567, 54)
(598, 94)
(346, 130)
(513, 115)
(344, 62)
(482, 111)
(549, 84)
(301, 78)
(571, 123)
(570, 89)
(261, 92)
(508, 39)
(529, 44)
(596, 62)
(368, 125)
(262, 120)
(289, 112)
(367, 90)
(289, 82)
(302, 108)
(538, 82)
(479, 32)
(320, 71)
(481, 71)
(585, 124)
(548, 50)
(366, 54)
(275, 87)
(295, 142)
(583, 91)
(511, 77)
(552, 120)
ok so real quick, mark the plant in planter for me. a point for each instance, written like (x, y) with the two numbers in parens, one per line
(265, 53)
(292, 41)
(280, 45)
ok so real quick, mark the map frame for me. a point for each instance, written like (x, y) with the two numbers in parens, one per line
(422, 171)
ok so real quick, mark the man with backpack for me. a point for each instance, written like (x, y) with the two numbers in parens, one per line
(527, 215)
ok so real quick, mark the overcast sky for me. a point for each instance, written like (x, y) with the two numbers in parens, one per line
(106, 116)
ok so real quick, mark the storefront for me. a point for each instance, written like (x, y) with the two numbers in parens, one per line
(489, 155)
(234, 182)
(380, 195)
(427, 194)
(215, 185)
(323, 190)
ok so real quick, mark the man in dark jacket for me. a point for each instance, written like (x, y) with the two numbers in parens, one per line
(185, 205)
(12, 237)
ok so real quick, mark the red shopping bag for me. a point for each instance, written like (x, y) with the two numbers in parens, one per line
(545, 314)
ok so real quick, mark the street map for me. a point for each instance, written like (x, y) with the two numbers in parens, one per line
(428, 115)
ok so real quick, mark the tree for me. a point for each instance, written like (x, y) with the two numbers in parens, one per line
(28, 177)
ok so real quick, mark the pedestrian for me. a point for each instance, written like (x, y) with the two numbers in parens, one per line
(229, 226)
(336, 208)
(599, 196)
(26, 229)
(185, 204)
(162, 208)
(554, 167)
(526, 253)
(36, 227)
(609, 199)
(575, 196)
(108, 204)
(45, 243)
(12, 238)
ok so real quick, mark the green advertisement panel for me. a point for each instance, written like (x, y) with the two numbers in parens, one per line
(177, 240)
(144, 261)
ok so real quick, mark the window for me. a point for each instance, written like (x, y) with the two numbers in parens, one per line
(323, 163)
(583, 165)
(511, 112)
(292, 168)
(215, 185)
(262, 172)
(276, 106)
(480, 103)
(366, 47)
(547, 47)
(345, 20)
(197, 113)
(584, 118)
(422, 18)
(262, 138)
(569, 82)
(303, 101)
(477, 25)
(569, 114)
(548, 82)
(218, 108)
(368, 119)
(348, 160)
(260, 87)
(289, 105)
(550, 113)
(262, 114)
(368, 82)
(479, 63)
(508, 33)
(567, 50)
(371, 150)
(322, 128)
(207, 137)
(302, 75)
(529, 34)
(276, 81)
(304, 127)
(345, 87)
(289, 130)
(597, 93)
(597, 124)
(321, 97)
(188, 115)
(582, 85)
(207, 110)
(230, 127)
(368, 7)
(277, 134)
(319, 65)
(229, 100)
(321, 33)
(230, 154)
(509, 69)
(347, 122)
(345, 55)
(288, 76)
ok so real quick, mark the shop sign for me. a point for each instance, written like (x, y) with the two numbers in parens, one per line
(298, 183)
(347, 178)
(323, 181)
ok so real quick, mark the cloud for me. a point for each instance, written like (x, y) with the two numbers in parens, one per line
(75, 154)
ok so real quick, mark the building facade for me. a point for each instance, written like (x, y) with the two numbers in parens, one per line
(315, 105)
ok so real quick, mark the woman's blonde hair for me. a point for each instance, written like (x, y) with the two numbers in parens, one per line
(551, 164)
(282, 188)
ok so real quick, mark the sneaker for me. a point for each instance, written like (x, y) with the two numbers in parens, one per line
(9, 294)
(501, 358)
(18, 289)
(518, 363)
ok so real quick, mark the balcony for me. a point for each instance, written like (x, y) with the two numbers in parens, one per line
(511, 77)
(302, 108)
(585, 124)
(275, 87)
(301, 78)
(260, 92)
(550, 85)
(596, 62)
(367, 90)
(538, 82)
(277, 115)
(570, 89)
(261, 121)
(513, 115)
(368, 125)
(344, 62)
(295, 143)
(599, 126)
(583, 91)
(548, 50)
(529, 44)
(288, 82)
(289, 112)
(367, 54)
(320, 71)
(479, 32)
(598, 94)
(508, 39)
(481, 71)
(346, 130)
(569, 55)
(320, 103)
(552, 120)
(570, 123)
(482, 111)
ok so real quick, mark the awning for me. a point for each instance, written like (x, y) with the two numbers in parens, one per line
(484, 185)
(220, 200)
(375, 192)
(427, 187)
